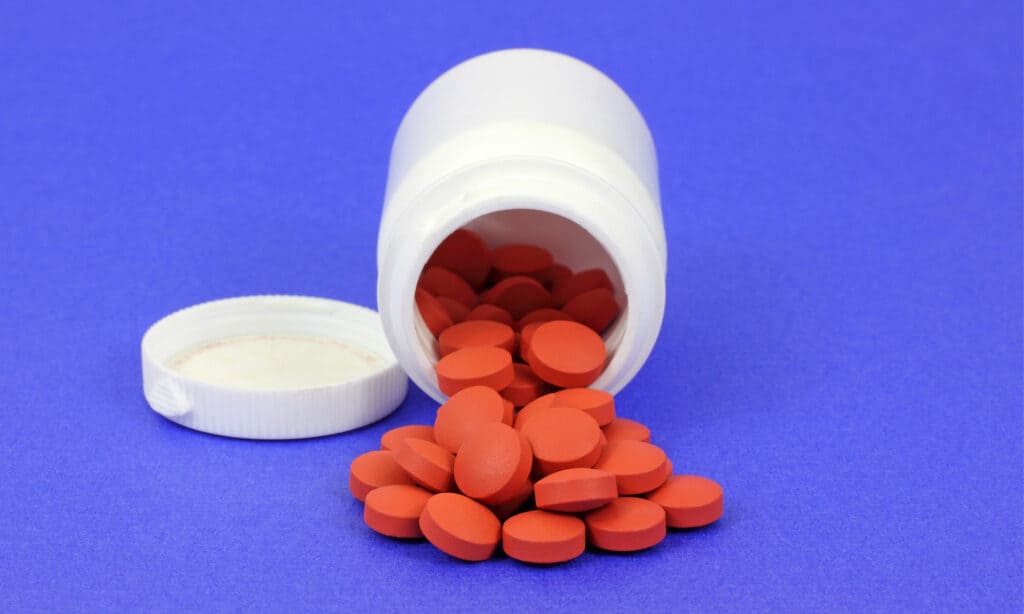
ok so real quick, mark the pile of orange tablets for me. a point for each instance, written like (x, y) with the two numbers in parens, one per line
(523, 454)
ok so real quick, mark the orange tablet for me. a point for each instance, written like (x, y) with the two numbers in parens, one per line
(493, 465)
(373, 470)
(461, 527)
(562, 438)
(689, 501)
(466, 254)
(395, 510)
(566, 354)
(626, 524)
(543, 537)
(475, 366)
(575, 490)
(465, 412)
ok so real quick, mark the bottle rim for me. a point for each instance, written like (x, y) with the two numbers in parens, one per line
(417, 226)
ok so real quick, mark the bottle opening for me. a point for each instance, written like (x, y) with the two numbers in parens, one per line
(520, 266)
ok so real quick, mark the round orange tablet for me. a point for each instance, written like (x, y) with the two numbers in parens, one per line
(525, 387)
(493, 464)
(391, 439)
(476, 333)
(689, 501)
(596, 308)
(624, 429)
(455, 310)
(626, 524)
(638, 466)
(520, 259)
(466, 411)
(598, 404)
(519, 295)
(373, 470)
(544, 314)
(395, 510)
(439, 281)
(575, 490)
(461, 527)
(579, 283)
(427, 463)
(562, 438)
(566, 354)
(537, 405)
(485, 311)
(433, 312)
(543, 537)
(476, 366)
(466, 254)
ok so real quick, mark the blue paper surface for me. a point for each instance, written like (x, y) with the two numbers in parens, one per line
(841, 350)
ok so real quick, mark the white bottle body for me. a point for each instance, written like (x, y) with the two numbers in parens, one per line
(525, 146)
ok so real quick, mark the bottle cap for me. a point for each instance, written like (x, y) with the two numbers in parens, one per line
(271, 367)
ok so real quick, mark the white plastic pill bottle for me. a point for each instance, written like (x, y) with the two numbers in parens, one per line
(525, 146)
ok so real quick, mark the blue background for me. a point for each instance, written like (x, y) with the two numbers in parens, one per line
(842, 348)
